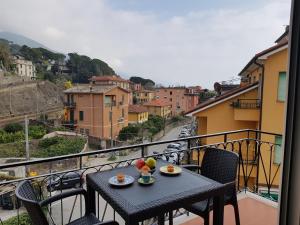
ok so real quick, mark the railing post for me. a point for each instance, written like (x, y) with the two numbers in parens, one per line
(257, 153)
(225, 138)
(143, 151)
(190, 151)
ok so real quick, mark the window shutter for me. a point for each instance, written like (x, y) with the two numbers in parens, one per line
(281, 86)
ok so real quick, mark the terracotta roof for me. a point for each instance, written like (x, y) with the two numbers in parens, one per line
(108, 78)
(157, 102)
(268, 50)
(86, 88)
(227, 94)
(137, 109)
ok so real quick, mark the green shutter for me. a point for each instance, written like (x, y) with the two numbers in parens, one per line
(281, 86)
(277, 153)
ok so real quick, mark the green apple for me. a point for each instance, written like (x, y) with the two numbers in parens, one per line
(151, 162)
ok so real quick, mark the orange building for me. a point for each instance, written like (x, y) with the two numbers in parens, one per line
(97, 110)
(181, 99)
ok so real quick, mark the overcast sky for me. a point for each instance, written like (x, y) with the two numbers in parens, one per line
(187, 42)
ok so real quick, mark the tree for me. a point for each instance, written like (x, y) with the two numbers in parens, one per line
(5, 57)
(144, 82)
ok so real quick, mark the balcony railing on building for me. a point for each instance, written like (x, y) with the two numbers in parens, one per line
(70, 105)
(246, 104)
(258, 170)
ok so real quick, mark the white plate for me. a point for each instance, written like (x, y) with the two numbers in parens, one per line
(127, 181)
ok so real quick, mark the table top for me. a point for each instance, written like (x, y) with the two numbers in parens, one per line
(167, 193)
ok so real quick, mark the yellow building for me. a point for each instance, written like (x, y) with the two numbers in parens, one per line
(257, 104)
(137, 114)
(158, 107)
(142, 96)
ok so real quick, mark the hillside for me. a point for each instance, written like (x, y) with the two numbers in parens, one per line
(21, 40)
(29, 98)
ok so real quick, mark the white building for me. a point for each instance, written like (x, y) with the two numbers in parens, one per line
(24, 67)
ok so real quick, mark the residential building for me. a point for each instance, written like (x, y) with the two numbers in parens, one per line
(137, 114)
(111, 80)
(181, 99)
(142, 96)
(257, 104)
(97, 110)
(24, 68)
(158, 107)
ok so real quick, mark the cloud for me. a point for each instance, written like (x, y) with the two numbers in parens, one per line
(200, 47)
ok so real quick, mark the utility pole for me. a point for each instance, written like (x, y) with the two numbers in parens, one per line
(26, 142)
(37, 103)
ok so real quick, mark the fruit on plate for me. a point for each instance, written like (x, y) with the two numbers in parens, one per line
(139, 164)
(145, 169)
(151, 162)
(170, 168)
(120, 177)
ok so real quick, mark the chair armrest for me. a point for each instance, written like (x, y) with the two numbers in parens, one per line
(192, 167)
(110, 222)
(63, 195)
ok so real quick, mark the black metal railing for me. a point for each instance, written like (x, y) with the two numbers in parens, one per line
(70, 104)
(246, 104)
(256, 171)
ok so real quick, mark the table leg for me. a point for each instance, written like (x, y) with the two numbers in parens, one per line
(161, 219)
(218, 210)
(170, 217)
(91, 200)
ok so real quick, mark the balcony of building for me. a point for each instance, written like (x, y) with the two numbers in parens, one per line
(246, 109)
(257, 177)
(70, 105)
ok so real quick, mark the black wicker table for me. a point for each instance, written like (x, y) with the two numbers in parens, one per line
(136, 203)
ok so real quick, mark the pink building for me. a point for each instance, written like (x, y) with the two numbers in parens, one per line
(181, 99)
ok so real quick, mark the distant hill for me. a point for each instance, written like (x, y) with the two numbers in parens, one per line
(21, 40)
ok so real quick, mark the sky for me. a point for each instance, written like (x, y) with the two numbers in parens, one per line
(173, 42)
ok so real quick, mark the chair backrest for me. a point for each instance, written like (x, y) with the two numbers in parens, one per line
(25, 192)
(220, 165)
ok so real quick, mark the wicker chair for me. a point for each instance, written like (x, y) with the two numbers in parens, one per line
(219, 165)
(25, 192)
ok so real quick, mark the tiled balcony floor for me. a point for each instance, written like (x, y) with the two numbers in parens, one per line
(252, 212)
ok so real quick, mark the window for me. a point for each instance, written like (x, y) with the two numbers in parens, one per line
(277, 152)
(81, 115)
(81, 130)
(281, 92)
(123, 99)
(170, 92)
(87, 132)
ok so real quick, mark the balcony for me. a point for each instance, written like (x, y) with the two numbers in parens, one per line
(256, 172)
(246, 109)
(70, 123)
(70, 105)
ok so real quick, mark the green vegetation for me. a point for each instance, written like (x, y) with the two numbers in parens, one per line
(14, 132)
(13, 127)
(78, 68)
(56, 146)
(152, 127)
(154, 124)
(206, 94)
(23, 220)
(144, 82)
(129, 132)
(5, 58)
(82, 68)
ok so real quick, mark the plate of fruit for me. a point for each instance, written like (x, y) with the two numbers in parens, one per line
(170, 169)
(121, 180)
(146, 165)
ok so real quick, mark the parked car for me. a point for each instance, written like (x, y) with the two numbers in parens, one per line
(65, 181)
(174, 145)
(184, 134)
(172, 157)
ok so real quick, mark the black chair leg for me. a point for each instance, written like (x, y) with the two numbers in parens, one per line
(206, 218)
(236, 213)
